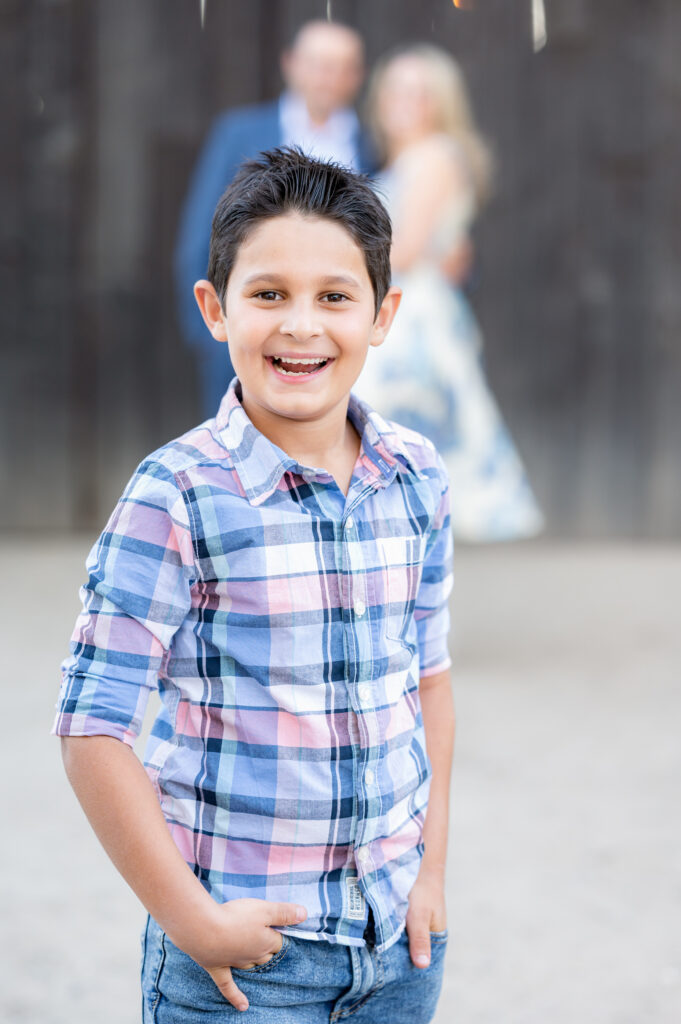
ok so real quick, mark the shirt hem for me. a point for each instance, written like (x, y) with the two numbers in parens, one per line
(342, 940)
(393, 939)
(339, 940)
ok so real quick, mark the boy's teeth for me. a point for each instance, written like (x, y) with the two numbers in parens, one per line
(305, 362)
(281, 364)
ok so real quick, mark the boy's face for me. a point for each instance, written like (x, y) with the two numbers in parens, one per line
(299, 317)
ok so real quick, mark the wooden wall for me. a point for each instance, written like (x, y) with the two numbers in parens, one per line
(577, 289)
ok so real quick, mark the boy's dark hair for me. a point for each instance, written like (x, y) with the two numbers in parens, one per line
(285, 180)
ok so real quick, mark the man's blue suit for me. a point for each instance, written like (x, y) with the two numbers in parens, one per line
(235, 135)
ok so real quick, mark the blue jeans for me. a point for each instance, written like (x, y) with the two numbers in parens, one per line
(306, 982)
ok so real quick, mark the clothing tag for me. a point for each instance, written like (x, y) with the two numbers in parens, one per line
(355, 899)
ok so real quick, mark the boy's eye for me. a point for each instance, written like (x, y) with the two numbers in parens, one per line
(334, 297)
(269, 295)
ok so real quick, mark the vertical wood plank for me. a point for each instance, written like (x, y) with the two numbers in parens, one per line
(577, 255)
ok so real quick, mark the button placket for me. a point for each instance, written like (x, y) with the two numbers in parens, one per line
(358, 600)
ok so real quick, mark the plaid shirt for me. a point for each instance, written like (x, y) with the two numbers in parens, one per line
(286, 627)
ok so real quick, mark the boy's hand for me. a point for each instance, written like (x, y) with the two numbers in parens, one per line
(426, 914)
(246, 937)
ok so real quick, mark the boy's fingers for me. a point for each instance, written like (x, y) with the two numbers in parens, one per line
(286, 914)
(419, 943)
(222, 976)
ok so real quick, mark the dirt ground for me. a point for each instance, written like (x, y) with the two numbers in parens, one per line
(565, 863)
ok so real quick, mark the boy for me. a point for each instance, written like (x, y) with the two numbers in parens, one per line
(281, 573)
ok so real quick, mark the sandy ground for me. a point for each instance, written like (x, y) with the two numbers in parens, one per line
(565, 865)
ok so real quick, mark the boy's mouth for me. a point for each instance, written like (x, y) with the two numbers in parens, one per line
(302, 367)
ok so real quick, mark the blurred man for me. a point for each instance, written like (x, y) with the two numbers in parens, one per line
(323, 71)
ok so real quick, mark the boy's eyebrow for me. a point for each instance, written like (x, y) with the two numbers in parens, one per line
(264, 276)
(330, 279)
(340, 279)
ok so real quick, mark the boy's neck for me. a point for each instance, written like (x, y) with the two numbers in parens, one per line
(331, 443)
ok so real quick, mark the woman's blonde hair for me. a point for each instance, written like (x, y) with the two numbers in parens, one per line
(454, 116)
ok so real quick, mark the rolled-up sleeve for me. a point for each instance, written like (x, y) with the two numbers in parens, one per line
(138, 593)
(431, 612)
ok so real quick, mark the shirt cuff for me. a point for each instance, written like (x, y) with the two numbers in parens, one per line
(86, 725)
(432, 670)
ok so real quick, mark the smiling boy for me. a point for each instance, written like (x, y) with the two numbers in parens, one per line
(281, 575)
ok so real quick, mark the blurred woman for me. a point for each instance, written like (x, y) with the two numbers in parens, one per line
(428, 374)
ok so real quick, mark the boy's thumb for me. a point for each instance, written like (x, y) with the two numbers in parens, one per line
(282, 914)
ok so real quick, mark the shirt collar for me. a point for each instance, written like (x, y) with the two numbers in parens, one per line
(381, 444)
(260, 464)
(293, 113)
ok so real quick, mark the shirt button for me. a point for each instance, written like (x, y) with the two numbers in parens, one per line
(363, 855)
(349, 523)
(369, 777)
(364, 692)
(360, 607)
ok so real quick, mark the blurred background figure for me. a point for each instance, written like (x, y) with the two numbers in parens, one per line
(323, 71)
(428, 375)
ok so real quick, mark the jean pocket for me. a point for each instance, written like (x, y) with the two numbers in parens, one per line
(153, 962)
(269, 964)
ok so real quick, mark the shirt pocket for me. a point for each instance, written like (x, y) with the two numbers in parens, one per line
(401, 564)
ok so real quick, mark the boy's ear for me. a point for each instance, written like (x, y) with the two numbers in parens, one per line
(211, 309)
(386, 315)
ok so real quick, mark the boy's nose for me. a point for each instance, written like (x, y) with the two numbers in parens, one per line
(301, 323)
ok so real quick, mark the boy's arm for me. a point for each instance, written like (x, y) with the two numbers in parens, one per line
(122, 807)
(138, 594)
(427, 898)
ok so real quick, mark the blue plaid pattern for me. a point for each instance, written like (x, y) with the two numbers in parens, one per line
(286, 626)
